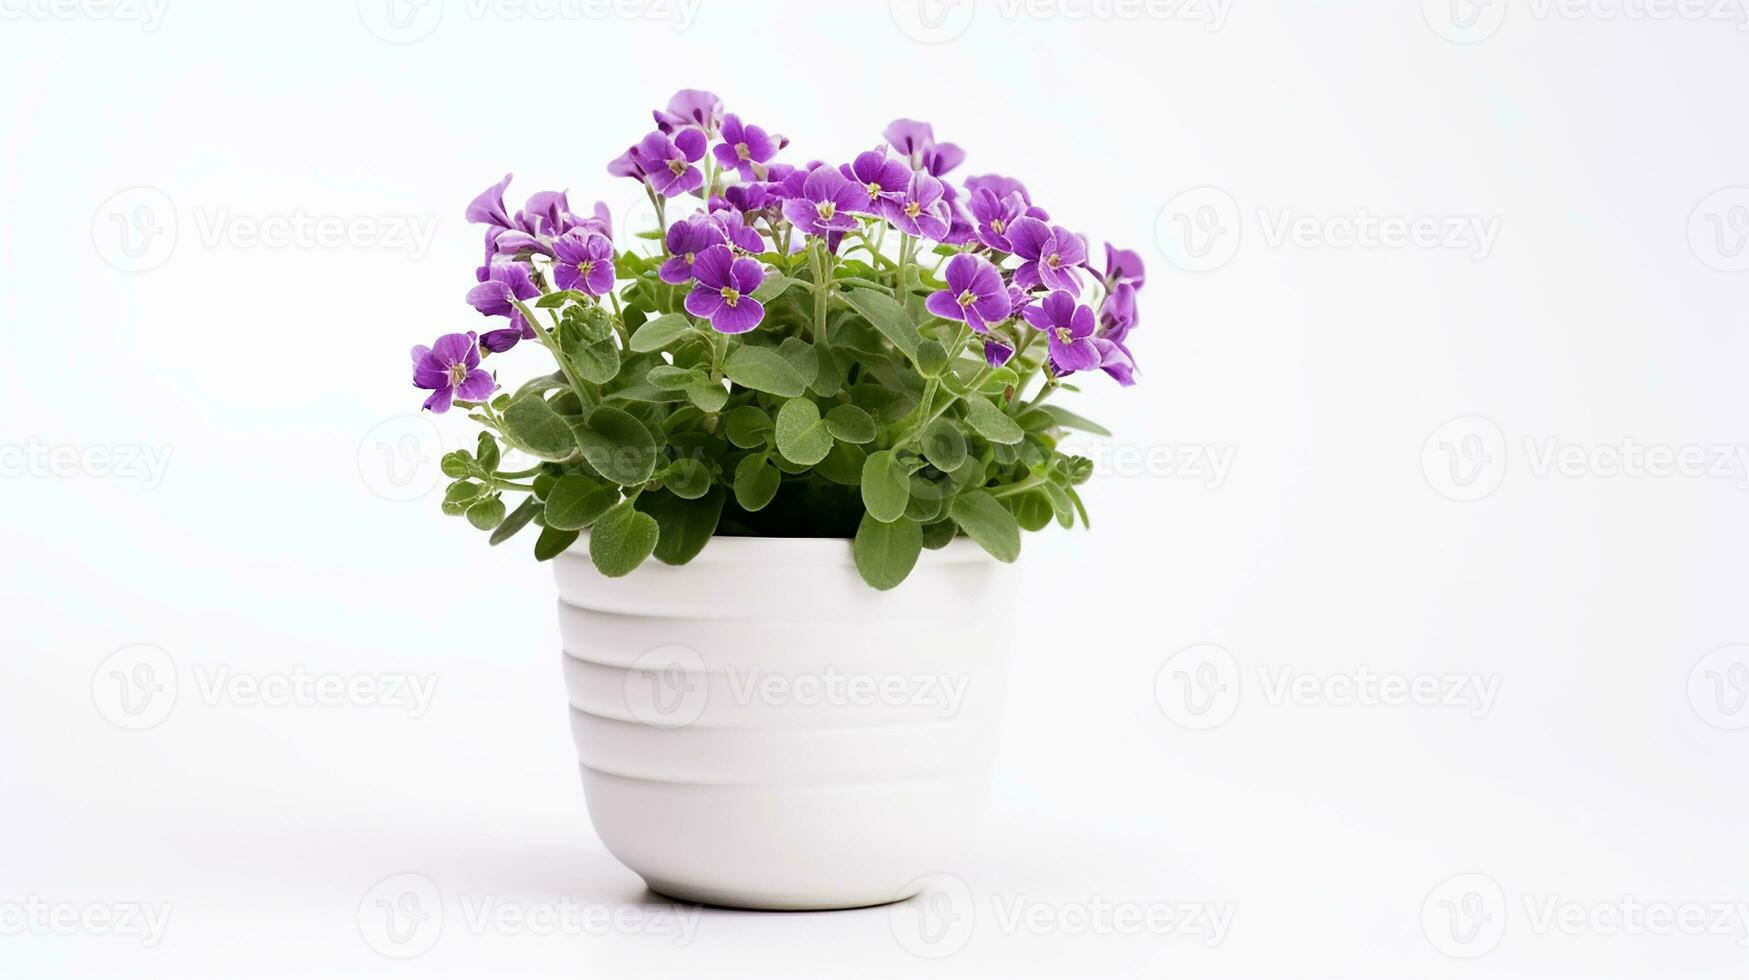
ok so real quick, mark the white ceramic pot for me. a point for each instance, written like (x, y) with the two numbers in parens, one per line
(761, 729)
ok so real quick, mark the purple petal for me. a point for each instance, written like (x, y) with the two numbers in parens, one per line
(743, 316)
(943, 305)
(488, 206)
(478, 387)
(704, 301)
(439, 400)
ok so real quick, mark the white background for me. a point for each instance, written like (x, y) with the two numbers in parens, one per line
(1610, 309)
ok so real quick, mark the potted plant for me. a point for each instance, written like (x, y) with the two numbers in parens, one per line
(819, 397)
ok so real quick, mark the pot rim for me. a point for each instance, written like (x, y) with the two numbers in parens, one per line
(725, 549)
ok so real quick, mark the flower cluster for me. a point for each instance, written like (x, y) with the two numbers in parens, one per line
(910, 311)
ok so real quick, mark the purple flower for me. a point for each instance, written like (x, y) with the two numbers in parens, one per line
(746, 148)
(488, 207)
(492, 235)
(993, 216)
(915, 141)
(583, 260)
(668, 163)
(736, 232)
(996, 353)
(1068, 329)
(880, 176)
(691, 107)
(723, 294)
(686, 240)
(824, 204)
(1123, 266)
(1116, 361)
(1118, 313)
(1002, 187)
(974, 294)
(920, 209)
(449, 369)
(1050, 255)
(492, 297)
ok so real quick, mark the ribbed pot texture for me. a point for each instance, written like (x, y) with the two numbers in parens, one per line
(761, 729)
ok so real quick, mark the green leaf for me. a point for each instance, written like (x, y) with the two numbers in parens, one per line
(800, 355)
(552, 543)
(931, 359)
(886, 486)
(660, 332)
(773, 287)
(987, 522)
(488, 453)
(597, 363)
(847, 423)
(886, 552)
(709, 396)
(670, 378)
(1069, 420)
(460, 496)
(618, 446)
(944, 445)
(686, 525)
(888, 317)
(938, 535)
(576, 501)
(992, 424)
(621, 539)
(518, 519)
(457, 465)
(537, 428)
(763, 369)
(748, 426)
(1033, 510)
(756, 482)
(687, 478)
(487, 514)
(843, 465)
(802, 436)
(928, 499)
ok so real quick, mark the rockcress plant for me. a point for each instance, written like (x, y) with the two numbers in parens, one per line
(817, 351)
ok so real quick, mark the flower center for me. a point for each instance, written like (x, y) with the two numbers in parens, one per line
(458, 373)
(913, 209)
(1054, 261)
(967, 298)
(731, 295)
(742, 152)
(690, 256)
(677, 166)
(874, 190)
(1064, 336)
(584, 266)
(996, 225)
(826, 209)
